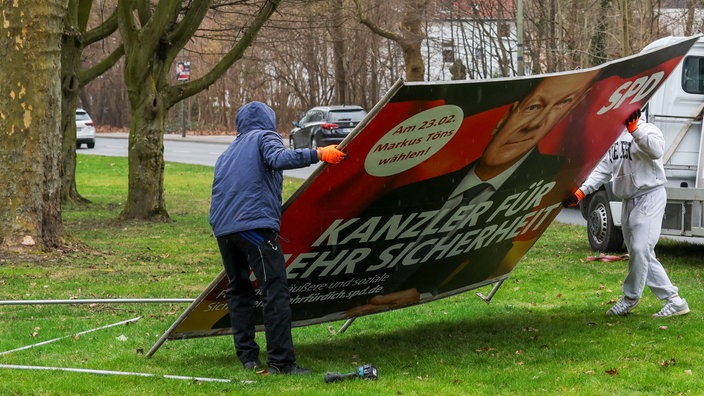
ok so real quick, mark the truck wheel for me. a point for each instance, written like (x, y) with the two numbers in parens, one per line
(603, 235)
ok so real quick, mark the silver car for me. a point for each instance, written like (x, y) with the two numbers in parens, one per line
(85, 130)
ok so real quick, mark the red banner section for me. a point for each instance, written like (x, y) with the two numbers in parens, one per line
(445, 187)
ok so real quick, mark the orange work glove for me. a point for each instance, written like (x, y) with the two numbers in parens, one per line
(573, 200)
(331, 154)
(632, 121)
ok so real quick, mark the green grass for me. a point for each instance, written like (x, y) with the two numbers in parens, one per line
(545, 332)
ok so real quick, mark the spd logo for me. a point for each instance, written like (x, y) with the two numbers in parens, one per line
(633, 90)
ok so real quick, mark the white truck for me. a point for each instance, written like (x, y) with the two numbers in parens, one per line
(676, 108)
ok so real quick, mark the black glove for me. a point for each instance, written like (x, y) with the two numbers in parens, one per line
(632, 121)
(573, 200)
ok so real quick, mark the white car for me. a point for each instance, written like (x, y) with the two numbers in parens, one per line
(85, 131)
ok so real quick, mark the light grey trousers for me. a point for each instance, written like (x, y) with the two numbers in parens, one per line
(641, 220)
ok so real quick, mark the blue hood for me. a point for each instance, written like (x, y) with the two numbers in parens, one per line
(255, 116)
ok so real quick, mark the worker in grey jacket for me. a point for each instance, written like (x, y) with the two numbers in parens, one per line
(245, 214)
(635, 164)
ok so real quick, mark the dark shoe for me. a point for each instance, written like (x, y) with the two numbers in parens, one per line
(253, 365)
(289, 369)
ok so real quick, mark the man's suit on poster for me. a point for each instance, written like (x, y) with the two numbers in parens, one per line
(431, 194)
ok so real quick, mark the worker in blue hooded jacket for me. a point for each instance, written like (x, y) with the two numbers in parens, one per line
(245, 214)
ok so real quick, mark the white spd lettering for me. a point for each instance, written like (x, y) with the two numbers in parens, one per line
(633, 90)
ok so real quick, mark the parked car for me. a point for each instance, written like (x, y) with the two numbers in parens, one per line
(85, 130)
(325, 125)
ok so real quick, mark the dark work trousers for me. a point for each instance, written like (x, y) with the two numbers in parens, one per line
(260, 251)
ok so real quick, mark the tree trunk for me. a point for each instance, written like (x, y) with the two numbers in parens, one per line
(74, 40)
(145, 197)
(625, 8)
(552, 60)
(148, 61)
(410, 38)
(689, 24)
(411, 27)
(337, 32)
(152, 40)
(70, 85)
(30, 96)
(598, 43)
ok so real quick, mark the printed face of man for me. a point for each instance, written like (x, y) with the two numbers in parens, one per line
(532, 119)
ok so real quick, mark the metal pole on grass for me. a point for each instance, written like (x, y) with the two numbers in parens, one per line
(497, 285)
(107, 372)
(74, 335)
(100, 301)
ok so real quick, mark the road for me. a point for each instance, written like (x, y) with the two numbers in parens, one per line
(204, 150)
(198, 150)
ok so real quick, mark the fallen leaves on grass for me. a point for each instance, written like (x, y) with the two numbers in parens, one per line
(484, 349)
(612, 371)
(667, 363)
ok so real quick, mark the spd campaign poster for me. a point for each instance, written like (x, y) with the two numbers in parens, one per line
(445, 187)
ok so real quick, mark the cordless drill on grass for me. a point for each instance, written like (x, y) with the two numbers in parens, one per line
(367, 372)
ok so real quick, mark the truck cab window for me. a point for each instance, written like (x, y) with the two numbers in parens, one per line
(693, 75)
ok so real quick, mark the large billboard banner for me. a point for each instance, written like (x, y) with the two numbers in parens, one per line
(445, 187)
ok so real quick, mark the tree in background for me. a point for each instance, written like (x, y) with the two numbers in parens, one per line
(477, 33)
(597, 46)
(689, 24)
(76, 37)
(409, 36)
(30, 125)
(303, 70)
(624, 7)
(153, 36)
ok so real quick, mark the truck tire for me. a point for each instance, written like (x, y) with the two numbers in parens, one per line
(603, 235)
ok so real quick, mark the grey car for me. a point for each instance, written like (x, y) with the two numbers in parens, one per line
(325, 125)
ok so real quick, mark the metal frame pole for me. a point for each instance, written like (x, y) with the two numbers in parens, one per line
(74, 335)
(107, 372)
(497, 285)
(347, 324)
(100, 301)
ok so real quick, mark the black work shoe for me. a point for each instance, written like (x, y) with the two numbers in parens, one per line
(289, 369)
(253, 365)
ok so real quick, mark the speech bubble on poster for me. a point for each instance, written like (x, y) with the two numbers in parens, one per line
(413, 141)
